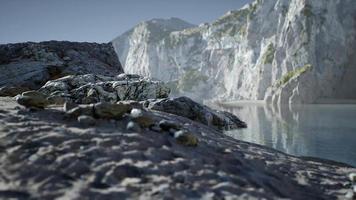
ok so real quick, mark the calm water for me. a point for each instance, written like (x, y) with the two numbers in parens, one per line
(324, 131)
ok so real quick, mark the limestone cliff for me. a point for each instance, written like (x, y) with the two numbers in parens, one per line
(284, 51)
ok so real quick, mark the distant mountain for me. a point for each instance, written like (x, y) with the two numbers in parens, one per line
(285, 51)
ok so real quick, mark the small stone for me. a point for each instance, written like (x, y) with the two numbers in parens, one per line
(69, 106)
(86, 120)
(132, 126)
(167, 125)
(32, 99)
(352, 177)
(111, 111)
(185, 138)
(144, 119)
(349, 195)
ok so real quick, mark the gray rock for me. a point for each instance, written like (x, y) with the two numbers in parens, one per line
(30, 65)
(185, 107)
(90, 88)
(86, 120)
(32, 99)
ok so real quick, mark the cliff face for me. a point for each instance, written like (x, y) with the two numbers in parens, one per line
(285, 51)
(29, 65)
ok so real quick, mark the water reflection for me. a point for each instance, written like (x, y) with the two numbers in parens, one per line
(325, 131)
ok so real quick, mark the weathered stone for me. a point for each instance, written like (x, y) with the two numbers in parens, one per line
(185, 107)
(90, 88)
(143, 118)
(32, 99)
(86, 120)
(30, 65)
(111, 111)
(185, 138)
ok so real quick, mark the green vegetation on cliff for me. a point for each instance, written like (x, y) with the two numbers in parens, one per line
(292, 74)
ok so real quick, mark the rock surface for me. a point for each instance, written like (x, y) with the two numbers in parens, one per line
(92, 88)
(27, 66)
(45, 155)
(185, 107)
(287, 51)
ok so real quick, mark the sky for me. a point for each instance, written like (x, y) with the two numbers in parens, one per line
(97, 20)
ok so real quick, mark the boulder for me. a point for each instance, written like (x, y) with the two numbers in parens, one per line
(185, 107)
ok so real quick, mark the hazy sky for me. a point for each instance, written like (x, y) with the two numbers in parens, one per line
(97, 20)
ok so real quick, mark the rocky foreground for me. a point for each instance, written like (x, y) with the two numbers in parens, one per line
(78, 128)
(166, 148)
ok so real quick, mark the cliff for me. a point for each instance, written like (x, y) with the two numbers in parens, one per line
(283, 52)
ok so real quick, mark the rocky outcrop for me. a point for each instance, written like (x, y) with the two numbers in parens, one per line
(48, 155)
(183, 106)
(286, 51)
(27, 66)
(92, 88)
(115, 96)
